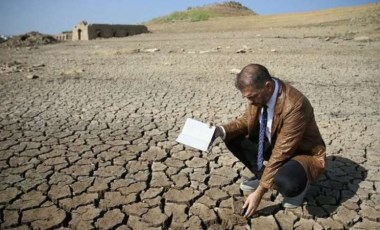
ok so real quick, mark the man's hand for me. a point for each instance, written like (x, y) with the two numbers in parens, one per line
(218, 133)
(253, 201)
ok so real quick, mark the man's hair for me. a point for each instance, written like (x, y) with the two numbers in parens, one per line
(252, 75)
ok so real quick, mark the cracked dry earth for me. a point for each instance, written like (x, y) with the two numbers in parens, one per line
(90, 143)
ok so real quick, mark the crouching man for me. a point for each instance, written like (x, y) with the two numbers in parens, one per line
(276, 138)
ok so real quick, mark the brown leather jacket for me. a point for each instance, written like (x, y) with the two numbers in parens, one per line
(294, 134)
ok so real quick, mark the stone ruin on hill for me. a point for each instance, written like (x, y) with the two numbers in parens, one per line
(85, 31)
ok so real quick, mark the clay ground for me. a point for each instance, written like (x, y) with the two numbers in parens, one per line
(91, 142)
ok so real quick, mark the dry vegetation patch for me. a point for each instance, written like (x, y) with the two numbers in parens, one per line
(204, 13)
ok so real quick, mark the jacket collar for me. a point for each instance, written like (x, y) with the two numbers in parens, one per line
(278, 107)
(280, 97)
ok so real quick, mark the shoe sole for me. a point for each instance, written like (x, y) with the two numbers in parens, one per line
(290, 206)
(246, 188)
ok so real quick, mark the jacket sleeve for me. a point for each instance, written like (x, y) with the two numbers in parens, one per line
(289, 138)
(237, 127)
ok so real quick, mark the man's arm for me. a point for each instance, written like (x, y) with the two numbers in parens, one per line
(233, 128)
(237, 127)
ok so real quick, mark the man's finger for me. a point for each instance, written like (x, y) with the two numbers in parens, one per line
(251, 212)
(249, 209)
(246, 203)
(244, 208)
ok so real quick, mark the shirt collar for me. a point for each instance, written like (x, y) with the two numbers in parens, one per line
(271, 103)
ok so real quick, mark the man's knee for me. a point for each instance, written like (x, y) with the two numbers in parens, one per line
(290, 179)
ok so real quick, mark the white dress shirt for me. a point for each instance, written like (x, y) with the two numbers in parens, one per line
(270, 109)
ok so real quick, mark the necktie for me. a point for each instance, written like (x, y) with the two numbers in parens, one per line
(263, 126)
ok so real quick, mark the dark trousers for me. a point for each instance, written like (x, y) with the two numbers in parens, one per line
(290, 179)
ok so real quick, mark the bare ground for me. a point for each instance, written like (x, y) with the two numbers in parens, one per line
(90, 142)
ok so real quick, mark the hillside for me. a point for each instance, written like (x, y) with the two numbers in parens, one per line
(343, 21)
(204, 13)
(29, 39)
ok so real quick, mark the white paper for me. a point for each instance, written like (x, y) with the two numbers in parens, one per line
(196, 134)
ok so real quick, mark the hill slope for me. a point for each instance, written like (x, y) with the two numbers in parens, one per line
(29, 39)
(345, 22)
(227, 9)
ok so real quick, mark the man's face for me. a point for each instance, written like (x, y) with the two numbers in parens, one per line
(257, 97)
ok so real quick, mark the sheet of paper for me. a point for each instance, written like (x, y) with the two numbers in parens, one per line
(196, 134)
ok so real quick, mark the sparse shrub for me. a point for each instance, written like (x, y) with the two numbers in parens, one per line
(236, 5)
(24, 37)
(193, 15)
(199, 16)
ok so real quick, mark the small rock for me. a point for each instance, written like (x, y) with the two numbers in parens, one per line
(152, 50)
(362, 39)
(327, 39)
(273, 50)
(234, 71)
(204, 51)
(37, 66)
(241, 51)
(32, 76)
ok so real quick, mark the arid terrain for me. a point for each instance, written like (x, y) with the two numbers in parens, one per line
(88, 129)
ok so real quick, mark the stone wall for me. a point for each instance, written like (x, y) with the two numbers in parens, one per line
(85, 31)
(107, 31)
(65, 36)
(80, 32)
